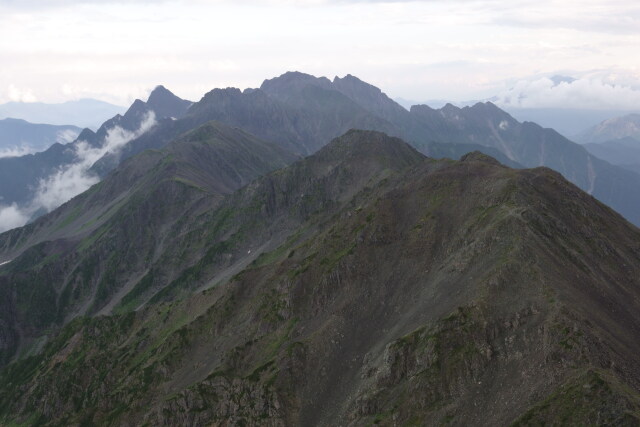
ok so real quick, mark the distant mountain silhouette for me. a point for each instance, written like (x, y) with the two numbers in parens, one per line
(82, 113)
(18, 133)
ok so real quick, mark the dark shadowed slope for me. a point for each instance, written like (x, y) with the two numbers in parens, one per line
(378, 287)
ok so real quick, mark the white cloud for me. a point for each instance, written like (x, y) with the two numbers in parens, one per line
(583, 93)
(63, 137)
(66, 136)
(11, 217)
(16, 94)
(16, 151)
(76, 178)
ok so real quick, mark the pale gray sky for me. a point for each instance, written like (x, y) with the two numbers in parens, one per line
(56, 50)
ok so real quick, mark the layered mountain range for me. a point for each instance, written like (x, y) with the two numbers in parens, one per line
(235, 268)
(301, 113)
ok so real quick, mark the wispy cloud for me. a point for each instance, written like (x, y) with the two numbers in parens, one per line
(73, 179)
(76, 178)
(16, 151)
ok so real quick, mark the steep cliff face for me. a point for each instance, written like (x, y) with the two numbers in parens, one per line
(364, 284)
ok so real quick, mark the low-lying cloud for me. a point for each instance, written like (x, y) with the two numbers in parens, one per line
(71, 180)
(12, 217)
(583, 93)
(66, 136)
(16, 151)
(63, 137)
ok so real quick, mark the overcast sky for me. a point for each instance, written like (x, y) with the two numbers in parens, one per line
(57, 50)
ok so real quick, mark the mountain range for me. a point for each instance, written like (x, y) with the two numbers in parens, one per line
(253, 259)
(573, 123)
(302, 112)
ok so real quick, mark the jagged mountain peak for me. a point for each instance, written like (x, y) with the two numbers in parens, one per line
(449, 107)
(86, 135)
(165, 104)
(138, 106)
(369, 97)
(489, 109)
(293, 78)
(217, 93)
(160, 90)
(354, 82)
(162, 102)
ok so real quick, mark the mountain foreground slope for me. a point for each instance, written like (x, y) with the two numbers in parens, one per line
(83, 257)
(365, 284)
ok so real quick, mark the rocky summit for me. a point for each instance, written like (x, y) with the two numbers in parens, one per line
(222, 280)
